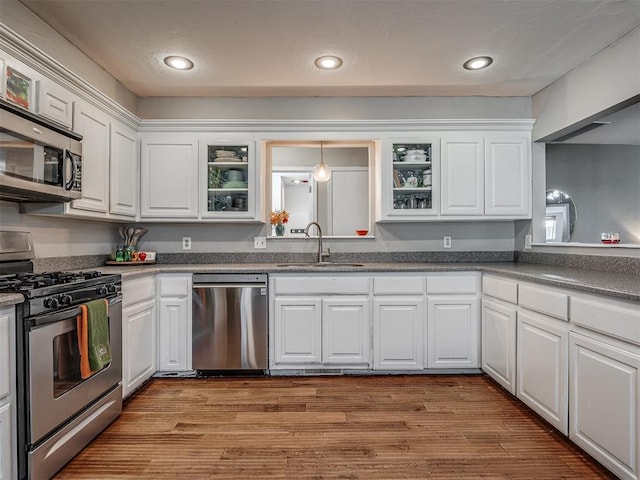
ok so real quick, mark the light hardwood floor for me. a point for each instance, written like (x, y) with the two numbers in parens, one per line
(370, 427)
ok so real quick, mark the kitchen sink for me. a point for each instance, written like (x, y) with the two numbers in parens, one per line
(320, 265)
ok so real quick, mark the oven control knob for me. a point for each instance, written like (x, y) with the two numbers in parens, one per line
(51, 303)
(101, 290)
(111, 288)
(65, 299)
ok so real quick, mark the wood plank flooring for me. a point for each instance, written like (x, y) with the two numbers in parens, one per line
(370, 427)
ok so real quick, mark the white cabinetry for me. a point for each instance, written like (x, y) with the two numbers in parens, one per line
(54, 102)
(542, 367)
(298, 330)
(321, 321)
(499, 332)
(93, 124)
(462, 167)
(169, 176)
(605, 401)
(487, 175)
(605, 381)
(139, 332)
(507, 175)
(174, 322)
(7, 399)
(398, 323)
(124, 176)
(453, 321)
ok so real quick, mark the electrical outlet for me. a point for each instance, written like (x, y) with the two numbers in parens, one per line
(259, 242)
(447, 242)
(527, 242)
(186, 243)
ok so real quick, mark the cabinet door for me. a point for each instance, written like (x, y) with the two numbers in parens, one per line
(298, 330)
(398, 325)
(542, 367)
(55, 102)
(228, 179)
(462, 173)
(123, 198)
(605, 392)
(93, 125)
(139, 345)
(173, 330)
(169, 178)
(6, 450)
(346, 334)
(507, 176)
(453, 332)
(499, 343)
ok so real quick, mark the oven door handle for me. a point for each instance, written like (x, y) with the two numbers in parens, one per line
(65, 314)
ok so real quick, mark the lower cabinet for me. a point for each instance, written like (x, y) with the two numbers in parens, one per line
(321, 331)
(174, 322)
(398, 324)
(605, 401)
(7, 392)
(453, 331)
(138, 332)
(499, 342)
(542, 367)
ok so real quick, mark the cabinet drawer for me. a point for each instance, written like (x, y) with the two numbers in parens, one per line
(503, 289)
(452, 284)
(544, 301)
(618, 319)
(137, 290)
(174, 286)
(397, 285)
(320, 285)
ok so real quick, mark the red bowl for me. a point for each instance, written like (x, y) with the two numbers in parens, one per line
(362, 233)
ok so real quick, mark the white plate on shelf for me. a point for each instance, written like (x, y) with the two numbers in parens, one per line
(235, 185)
(227, 159)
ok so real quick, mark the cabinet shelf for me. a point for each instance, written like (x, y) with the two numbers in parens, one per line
(223, 190)
(412, 189)
(412, 164)
(242, 164)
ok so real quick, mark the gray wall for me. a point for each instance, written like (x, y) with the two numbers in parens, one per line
(604, 182)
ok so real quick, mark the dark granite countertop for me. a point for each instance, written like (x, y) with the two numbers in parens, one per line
(625, 286)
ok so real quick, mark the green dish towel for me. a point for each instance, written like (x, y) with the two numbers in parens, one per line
(98, 345)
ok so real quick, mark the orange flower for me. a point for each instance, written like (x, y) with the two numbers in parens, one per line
(279, 217)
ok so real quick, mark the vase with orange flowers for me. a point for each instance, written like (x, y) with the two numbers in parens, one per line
(278, 219)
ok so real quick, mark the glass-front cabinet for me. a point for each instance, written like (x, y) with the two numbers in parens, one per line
(229, 179)
(410, 178)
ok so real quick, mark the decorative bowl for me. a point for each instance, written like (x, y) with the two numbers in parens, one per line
(362, 233)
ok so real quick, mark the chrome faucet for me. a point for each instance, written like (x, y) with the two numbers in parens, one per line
(321, 254)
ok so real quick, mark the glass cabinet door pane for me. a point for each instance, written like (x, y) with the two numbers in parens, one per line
(412, 176)
(228, 178)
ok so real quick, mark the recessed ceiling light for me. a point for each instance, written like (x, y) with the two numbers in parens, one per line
(477, 63)
(179, 63)
(328, 62)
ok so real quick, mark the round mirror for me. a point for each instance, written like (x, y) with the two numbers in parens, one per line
(560, 217)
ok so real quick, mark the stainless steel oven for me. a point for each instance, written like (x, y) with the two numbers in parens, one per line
(57, 391)
(59, 408)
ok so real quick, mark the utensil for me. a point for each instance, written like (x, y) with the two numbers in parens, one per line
(129, 233)
(137, 233)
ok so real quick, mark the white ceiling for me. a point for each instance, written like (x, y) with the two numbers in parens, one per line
(389, 47)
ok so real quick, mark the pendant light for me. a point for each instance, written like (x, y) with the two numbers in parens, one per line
(321, 172)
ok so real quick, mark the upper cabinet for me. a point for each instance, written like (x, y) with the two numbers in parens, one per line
(124, 175)
(410, 172)
(169, 176)
(228, 186)
(486, 175)
(465, 175)
(189, 177)
(54, 102)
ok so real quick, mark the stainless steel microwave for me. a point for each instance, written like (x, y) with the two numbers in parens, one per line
(39, 160)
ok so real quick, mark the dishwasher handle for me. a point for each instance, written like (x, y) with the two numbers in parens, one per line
(229, 285)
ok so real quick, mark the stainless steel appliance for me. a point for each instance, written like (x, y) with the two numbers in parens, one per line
(39, 160)
(229, 318)
(59, 412)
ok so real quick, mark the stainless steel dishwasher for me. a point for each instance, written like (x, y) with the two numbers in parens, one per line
(229, 322)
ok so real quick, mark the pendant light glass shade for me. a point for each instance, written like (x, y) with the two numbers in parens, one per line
(321, 172)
